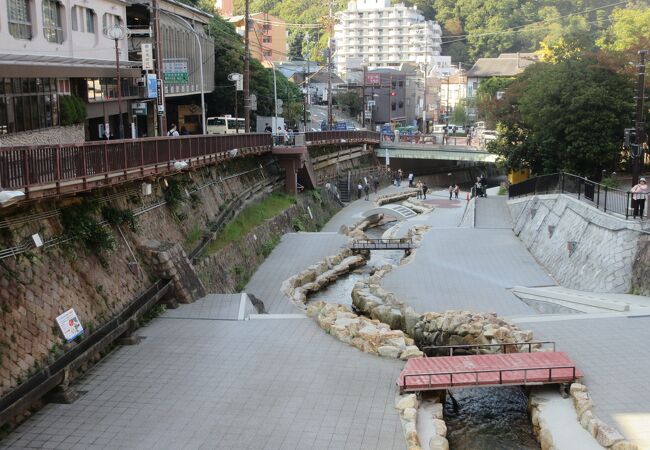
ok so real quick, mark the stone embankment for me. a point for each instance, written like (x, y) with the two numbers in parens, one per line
(319, 275)
(368, 335)
(392, 198)
(409, 408)
(606, 435)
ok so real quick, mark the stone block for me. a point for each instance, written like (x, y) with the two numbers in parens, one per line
(406, 401)
(607, 435)
(388, 351)
(438, 443)
(409, 414)
(624, 445)
(440, 426)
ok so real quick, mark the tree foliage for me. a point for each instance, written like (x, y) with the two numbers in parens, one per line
(630, 30)
(349, 101)
(567, 116)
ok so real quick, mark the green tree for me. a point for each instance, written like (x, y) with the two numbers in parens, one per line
(459, 116)
(567, 116)
(630, 30)
(486, 98)
(349, 101)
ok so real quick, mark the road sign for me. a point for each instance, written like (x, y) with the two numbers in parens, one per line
(371, 103)
(373, 79)
(175, 71)
(280, 108)
(70, 325)
(239, 84)
(253, 99)
(147, 56)
(341, 126)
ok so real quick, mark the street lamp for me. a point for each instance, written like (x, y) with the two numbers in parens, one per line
(116, 33)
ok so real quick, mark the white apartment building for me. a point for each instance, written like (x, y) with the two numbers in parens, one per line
(378, 34)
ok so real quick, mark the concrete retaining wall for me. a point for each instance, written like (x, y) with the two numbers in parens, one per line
(49, 136)
(580, 246)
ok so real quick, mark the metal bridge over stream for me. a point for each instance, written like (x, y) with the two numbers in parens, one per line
(382, 244)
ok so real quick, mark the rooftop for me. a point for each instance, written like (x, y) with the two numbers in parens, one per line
(506, 65)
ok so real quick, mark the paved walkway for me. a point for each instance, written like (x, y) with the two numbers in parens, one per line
(287, 259)
(207, 384)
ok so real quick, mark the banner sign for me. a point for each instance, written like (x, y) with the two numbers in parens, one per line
(139, 108)
(70, 325)
(152, 86)
(147, 56)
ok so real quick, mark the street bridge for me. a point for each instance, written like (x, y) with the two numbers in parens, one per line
(407, 150)
(395, 210)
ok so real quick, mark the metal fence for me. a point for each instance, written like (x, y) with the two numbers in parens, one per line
(21, 167)
(338, 136)
(608, 199)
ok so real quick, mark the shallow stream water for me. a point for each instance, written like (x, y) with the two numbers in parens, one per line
(489, 419)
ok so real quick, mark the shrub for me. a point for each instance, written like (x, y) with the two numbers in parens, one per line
(73, 110)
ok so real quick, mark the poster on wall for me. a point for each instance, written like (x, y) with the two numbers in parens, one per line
(70, 325)
(152, 85)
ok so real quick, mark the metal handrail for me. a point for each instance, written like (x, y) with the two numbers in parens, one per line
(610, 200)
(478, 347)
(430, 385)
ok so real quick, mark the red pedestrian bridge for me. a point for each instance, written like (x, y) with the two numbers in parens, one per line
(523, 369)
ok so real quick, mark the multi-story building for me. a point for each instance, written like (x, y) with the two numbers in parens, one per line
(376, 34)
(50, 49)
(267, 35)
(181, 26)
(452, 91)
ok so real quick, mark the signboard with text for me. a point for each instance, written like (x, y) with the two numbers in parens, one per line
(373, 79)
(139, 108)
(147, 56)
(70, 325)
(175, 71)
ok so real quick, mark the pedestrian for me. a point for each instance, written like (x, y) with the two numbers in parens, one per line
(639, 194)
(172, 130)
(425, 188)
(359, 190)
(451, 191)
(456, 190)
(366, 190)
(375, 183)
(399, 177)
(418, 186)
(267, 128)
(282, 135)
(411, 179)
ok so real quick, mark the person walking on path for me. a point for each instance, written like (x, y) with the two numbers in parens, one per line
(425, 188)
(399, 177)
(411, 179)
(451, 191)
(639, 194)
(359, 190)
(456, 190)
(418, 185)
(173, 131)
(375, 183)
(366, 190)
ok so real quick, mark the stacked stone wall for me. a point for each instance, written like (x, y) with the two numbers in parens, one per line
(581, 247)
(37, 286)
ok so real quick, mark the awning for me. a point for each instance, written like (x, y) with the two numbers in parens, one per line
(20, 66)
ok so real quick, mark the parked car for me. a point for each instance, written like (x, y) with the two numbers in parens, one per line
(489, 135)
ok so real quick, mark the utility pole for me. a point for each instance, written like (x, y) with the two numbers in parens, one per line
(637, 147)
(363, 110)
(330, 26)
(162, 124)
(247, 69)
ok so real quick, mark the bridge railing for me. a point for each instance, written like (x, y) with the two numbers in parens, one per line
(514, 347)
(608, 199)
(511, 376)
(21, 167)
(338, 136)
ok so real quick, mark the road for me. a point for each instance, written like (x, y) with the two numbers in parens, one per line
(319, 113)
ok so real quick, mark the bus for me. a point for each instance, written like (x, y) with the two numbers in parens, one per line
(225, 125)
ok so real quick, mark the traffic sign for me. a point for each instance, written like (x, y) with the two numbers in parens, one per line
(147, 56)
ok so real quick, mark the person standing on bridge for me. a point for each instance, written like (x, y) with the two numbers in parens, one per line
(456, 190)
(639, 194)
(173, 131)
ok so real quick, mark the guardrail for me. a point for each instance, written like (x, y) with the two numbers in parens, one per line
(382, 244)
(24, 167)
(513, 379)
(504, 347)
(610, 200)
(329, 137)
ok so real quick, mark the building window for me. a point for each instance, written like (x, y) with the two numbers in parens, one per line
(266, 39)
(103, 89)
(401, 105)
(20, 24)
(27, 104)
(52, 29)
(90, 20)
(74, 18)
(64, 86)
(401, 84)
(266, 26)
(393, 106)
(267, 53)
(109, 20)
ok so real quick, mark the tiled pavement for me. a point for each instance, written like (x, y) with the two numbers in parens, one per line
(295, 252)
(259, 384)
(216, 307)
(615, 356)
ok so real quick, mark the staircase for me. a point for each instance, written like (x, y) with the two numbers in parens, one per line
(343, 185)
